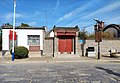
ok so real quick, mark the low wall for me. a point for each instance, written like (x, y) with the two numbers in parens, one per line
(105, 46)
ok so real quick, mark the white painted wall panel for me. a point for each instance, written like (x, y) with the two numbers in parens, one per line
(22, 39)
(5, 39)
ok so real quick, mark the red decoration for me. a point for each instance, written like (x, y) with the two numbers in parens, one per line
(11, 35)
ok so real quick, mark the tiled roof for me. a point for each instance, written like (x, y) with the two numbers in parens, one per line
(76, 27)
(43, 28)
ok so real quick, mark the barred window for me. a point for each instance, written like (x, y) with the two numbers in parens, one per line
(33, 39)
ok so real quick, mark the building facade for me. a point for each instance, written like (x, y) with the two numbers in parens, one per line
(31, 38)
(64, 40)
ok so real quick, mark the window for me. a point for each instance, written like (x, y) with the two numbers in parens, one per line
(33, 39)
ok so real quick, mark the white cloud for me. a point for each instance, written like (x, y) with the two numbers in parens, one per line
(65, 17)
(57, 4)
(107, 9)
(32, 23)
(18, 15)
(117, 18)
(104, 10)
(74, 12)
(113, 20)
(36, 13)
(9, 16)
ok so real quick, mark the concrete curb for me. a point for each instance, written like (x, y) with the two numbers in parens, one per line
(48, 59)
(57, 61)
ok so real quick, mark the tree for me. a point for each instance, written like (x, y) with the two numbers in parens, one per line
(91, 36)
(107, 35)
(24, 25)
(83, 35)
(7, 25)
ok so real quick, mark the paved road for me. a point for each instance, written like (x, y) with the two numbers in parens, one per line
(68, 72)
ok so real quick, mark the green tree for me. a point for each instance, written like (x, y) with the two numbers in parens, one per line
(24, 25)
(8, 25)
(107, 35)
(91, 36)
(83, 35)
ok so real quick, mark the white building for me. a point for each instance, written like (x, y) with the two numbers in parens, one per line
(32, 38)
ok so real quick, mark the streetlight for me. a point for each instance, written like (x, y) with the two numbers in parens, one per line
(98, 34)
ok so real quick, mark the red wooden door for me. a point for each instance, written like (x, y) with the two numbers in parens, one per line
(69, 46)
(65, 45)
(61, 45)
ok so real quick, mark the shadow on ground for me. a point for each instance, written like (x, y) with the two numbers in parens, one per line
(109, 71)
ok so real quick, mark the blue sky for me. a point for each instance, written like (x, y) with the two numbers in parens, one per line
(61, 12)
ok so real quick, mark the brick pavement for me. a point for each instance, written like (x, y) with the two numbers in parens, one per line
(60, 73)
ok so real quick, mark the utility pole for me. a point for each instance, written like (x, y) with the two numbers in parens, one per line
(13, 31)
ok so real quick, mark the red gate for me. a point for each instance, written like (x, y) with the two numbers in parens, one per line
(65, 45)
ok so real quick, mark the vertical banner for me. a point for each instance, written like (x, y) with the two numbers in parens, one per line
(11, 35)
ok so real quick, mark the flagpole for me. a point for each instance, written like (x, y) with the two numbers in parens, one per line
(13, 31)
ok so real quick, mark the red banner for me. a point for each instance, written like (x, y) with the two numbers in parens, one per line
(11, 35)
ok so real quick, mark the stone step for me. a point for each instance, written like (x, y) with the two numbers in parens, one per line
(66, 55)
(34, 54)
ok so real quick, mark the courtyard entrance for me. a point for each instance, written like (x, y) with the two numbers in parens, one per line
(65, 44)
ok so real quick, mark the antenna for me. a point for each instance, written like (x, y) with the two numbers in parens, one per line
(46, 17)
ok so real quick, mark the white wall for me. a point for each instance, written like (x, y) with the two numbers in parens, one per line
(5, 39)
(22, 37)
(52, 34)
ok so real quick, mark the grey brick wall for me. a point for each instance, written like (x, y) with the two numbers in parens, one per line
(105, 46)
(48, 46)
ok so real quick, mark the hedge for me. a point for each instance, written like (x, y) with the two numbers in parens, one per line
(20, 52)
